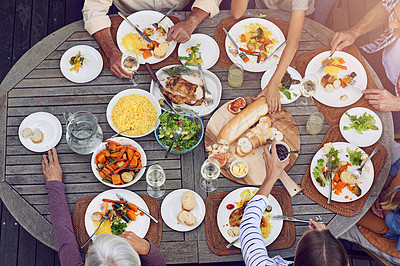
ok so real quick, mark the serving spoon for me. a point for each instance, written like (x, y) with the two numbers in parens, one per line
(176, 134)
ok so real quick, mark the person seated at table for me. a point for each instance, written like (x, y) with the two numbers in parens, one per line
(98, 24)
(389, 42)
(299, 9)
(128, 249)
(316, 247)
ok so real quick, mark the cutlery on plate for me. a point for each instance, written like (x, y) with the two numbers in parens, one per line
(355, 84)
(176, 133)
(241, 54)
(144, 36)
(105, 217)
(208, 97)
(357, 173)
(155, 24)
(137, 168)
(139, 208)
(281, 45)
(119, 133)
(319, 71)
(232, 243)
(329, 171)
(291, 219)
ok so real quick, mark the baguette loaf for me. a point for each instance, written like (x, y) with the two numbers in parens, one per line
(243, 121)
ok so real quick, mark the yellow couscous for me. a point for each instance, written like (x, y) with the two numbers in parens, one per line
(132, 41)
(105, 228)
(332, 68)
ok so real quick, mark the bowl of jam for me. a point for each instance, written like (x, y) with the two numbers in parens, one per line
(283, 150)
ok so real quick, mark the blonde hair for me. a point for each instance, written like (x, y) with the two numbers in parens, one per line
(392, 200)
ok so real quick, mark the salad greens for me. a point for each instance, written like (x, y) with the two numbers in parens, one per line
(177, 71)
(319, 169)
(355, 157)
(286, 82)
(194, 56)
(361, 123)
(118, 227)
(318, 173)
(170, 122)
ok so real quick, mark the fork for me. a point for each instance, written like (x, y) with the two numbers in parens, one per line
(355, 84)
(208, 97)
(105, 217)
(155, 24)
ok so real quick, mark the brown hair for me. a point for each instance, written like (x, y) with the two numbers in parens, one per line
(318, 248)
(392, 200)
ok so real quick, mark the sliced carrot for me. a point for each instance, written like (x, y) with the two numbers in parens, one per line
(264, 221)
(102, 174)
(133, 207)
(147, 54)
(101, 158)
(116, 179)
(130, 153)
(243, 38)
(131, 214)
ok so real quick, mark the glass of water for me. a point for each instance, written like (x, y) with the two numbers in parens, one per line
(315, 123)
(308, 88)
(130, 63)
(210, 171)
(235, 76)
(155, 178)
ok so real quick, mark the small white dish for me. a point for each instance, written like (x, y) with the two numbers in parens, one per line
(236, 162)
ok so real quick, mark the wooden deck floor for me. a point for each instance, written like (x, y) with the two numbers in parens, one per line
(23, 23)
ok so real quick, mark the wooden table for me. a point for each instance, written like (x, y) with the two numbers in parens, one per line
(35, 83)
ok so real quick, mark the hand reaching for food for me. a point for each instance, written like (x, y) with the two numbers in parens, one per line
(313, 225)
(181, 32)
(271, 94)
(273, 165)
(51, 167)
(140, 245)
(342, 39)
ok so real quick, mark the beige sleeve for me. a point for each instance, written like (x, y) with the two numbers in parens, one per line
(95, 15)
(209, 6)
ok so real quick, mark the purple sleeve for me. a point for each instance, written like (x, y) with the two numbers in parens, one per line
(154, 257)
(60, 216)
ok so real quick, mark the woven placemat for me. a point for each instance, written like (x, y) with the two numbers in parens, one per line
(217, 243)
(78, 220)
(171, 60)
(349, 208)
(227, 23)
(333, 114)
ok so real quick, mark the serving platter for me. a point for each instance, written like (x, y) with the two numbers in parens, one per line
(282, 121)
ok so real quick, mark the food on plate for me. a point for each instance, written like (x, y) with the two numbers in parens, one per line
(361, 123)
(236, 216)
(239, 168)
(186, 217)
(170, 122)
(344, 97)
(188, 89)
(236, 105)
(133, 41)
(161, 50)
(27, 132)
(221, 158)
(355, 157)
(114, 161)
(76, 62)
(35, 135)
(119, 214)
(194, 56)
(134, 111)
(234, 231)
(285, 85)
(230, 206)
(148, 31)
(334, 66)
(177, 71)
(188, 201)
(161, 31)
(269, 208)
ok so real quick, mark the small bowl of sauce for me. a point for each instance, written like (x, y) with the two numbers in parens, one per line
(283, 150)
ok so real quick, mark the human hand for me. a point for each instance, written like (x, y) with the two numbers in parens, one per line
(271, 94)
(116, 67)
(181, 31)
(376, 209)
(273, 165)
(140, 245)
(342, 39)
(313, 225)
(51, 168)
(382, 100)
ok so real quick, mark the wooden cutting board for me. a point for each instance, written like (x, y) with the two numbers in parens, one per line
(282, 121)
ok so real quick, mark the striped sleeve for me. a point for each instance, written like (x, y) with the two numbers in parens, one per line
(253, 249)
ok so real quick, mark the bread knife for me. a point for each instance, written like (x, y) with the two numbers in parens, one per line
(139, 208)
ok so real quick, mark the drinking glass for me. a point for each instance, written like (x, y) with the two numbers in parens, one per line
(235, 76)
(155, 178)
(210, 171)
(130, 63)
(308, 88)
(315, 123)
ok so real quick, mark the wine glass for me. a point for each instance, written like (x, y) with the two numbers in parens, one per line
(210, 171)
(155, 178)
(130, 63)
(308, 88)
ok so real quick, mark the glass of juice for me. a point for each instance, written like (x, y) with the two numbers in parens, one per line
(235, 76)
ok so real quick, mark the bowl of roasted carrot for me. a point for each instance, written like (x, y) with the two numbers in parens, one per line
(115, 162)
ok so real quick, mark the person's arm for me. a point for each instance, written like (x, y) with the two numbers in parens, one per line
(238, 7)
(376, 17)
(60, 216)
(271, 91)
(382, 100)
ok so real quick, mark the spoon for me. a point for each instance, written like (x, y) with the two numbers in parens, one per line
(113, 136)
(155, 24)
(176, 134)
(357, 173)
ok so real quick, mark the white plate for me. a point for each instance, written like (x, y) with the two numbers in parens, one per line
(122, 141)
(50, 127)
(333, 98)
(293, 88)
(172, 206)
(127, 92)
(365, 182)
(252, 65)
(139, 227)
(223, 216)
(92, 64)
(209, 49)
(367, 138)
(144, 19)
(213, 85)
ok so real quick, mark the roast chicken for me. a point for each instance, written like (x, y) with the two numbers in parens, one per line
(187, 89)
(236, 216)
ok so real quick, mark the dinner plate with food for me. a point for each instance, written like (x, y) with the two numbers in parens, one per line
(230, 212)
(289, 88)
(81, 64)
(345, 159)
(115, 161)
(129, 39)
(361, 126)
(133, 112)
(335, 87)
(183, 210)
(121, 215)
(201, 49)
(258, 38)
(40, 131)
(185, 88)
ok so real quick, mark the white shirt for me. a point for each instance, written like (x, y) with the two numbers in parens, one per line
(287, 5)
(391, 62)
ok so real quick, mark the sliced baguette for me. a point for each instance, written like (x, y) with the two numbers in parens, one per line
(37, 136)
(256, 130)
(253, 139)
(188, 201)
(262, 128)
(266, 121)
(239, 152)
(279, 136)
(245, 145)
(27, 132)
(262, 139)
(186, 217)
(273, 131)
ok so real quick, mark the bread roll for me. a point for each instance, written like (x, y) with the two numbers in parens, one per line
(37, 136)
(188, 201)
(27, 132)
(161, 50)
(243, 121)
(187, 218)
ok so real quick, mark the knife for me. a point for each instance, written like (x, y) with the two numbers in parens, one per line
(287, 218)
(241, 54)
(144, 36)
(325, 63)
(139, 208)
(233, 242)
(329, 171)
(274, 51)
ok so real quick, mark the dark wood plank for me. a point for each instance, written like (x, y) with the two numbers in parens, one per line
(40, 9)
(7, 15)
(44, 255)
(56, 17)
(26, 248)
(22, 29)
(9, 231)
(73, 10)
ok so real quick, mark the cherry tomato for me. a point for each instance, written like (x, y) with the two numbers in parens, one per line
(180, 122)
(73, 58)
(177, 148)
(230, 206)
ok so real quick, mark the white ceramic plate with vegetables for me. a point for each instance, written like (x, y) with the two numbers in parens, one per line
(234, 198)
(206, 50)
(361, 126)
(290, 86)
(343, 152)
(140, 226)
